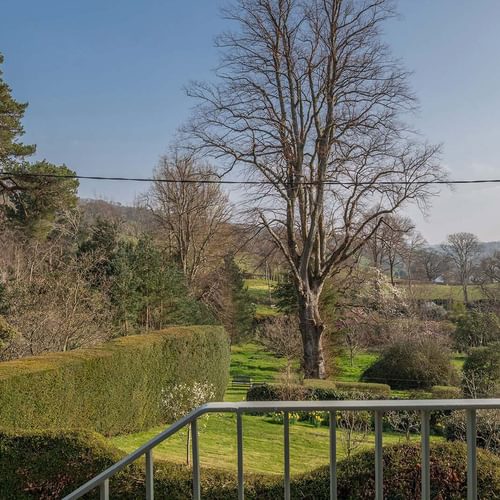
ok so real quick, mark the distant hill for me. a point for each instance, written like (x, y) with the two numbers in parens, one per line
(488, 248)
(125, 213)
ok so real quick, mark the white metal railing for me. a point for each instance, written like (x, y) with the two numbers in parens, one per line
(378, 407)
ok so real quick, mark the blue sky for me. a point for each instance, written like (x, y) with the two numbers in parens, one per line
(104, 79)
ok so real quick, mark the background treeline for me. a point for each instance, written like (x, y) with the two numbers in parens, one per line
(74, 274)
(88, 277)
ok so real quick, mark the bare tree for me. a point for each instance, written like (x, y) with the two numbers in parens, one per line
(51, 304)
(462, 249)
(405, 421)
(394, 232)
(489, 276)
(354, 327)
(281, 336)
(354, 426)
(192, 211)
(387, 242)
(432, 263)
(310, 101)
(408, 254)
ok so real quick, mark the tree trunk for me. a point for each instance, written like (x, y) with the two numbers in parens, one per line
(465, 291)
(391, 269)
(311, 329)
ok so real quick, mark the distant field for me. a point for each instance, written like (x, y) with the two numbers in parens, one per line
(260, 289)
(432, 291)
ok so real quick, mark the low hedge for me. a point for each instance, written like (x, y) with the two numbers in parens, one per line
(383, 390)
(445, 392)
(321, 390)
(115, 388)
(59, 463)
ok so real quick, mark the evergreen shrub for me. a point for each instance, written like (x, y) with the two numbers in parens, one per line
(413, 364)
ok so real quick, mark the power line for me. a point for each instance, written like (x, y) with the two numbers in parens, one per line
(245, 182)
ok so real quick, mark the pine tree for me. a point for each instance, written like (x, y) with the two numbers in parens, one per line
(11, 129)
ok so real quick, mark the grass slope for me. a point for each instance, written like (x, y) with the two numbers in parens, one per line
(260, 291)
(263, 444)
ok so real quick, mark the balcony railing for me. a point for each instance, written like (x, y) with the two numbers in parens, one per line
(425, 407)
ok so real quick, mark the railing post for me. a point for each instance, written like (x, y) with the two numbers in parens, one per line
(471, 455)
(239, 430)
(104, 490)
(196, 461)
(333, 455)
(149, 476)
(425, 450)
(379, 458)
(286, 447)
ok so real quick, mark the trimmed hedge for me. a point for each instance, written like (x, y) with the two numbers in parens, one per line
(445, 392)
(114, 388)
(383, 390)
(321, 390)
(59, 463)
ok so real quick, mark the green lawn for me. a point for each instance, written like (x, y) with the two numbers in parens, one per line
(252, 360)
(458, 361)
(260, 292)
(361, 361)
(263, 444)
(260, 289)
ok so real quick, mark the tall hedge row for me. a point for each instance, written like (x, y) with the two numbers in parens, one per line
(114, 388)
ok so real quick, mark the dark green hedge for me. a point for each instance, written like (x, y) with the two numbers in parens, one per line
(448, 464)
(114, 388)
(59, 463)
(321, 390)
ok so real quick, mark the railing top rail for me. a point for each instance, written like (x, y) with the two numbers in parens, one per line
(379, 404)
(290, 406)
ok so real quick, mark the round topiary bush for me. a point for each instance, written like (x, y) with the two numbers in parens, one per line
(413, 364)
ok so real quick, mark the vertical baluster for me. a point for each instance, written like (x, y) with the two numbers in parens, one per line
(239, 430)
(379, 459)
(333, 455)
(471, 455)
(149, 476)
(426, 476)
(196, 461)
(286, 436)
(104, 490)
